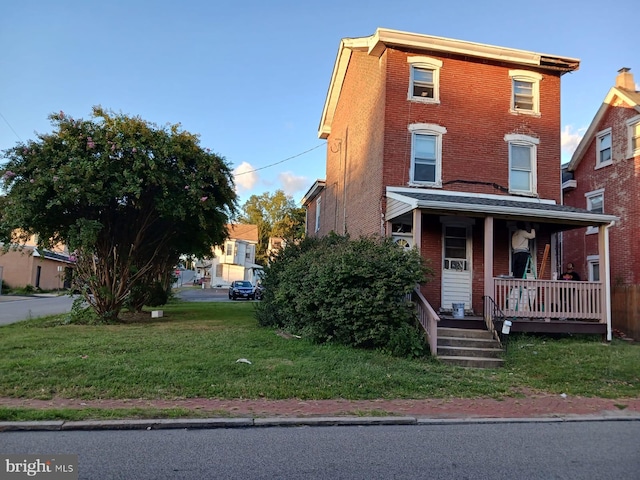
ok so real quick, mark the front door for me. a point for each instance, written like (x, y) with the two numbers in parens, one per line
(456, 268)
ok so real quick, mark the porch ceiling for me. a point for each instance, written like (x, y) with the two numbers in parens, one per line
(498, 206)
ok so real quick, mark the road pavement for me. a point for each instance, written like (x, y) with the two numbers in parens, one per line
(15, 308)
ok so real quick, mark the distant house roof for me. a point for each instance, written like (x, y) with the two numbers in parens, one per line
(243, 231)
(41, 252)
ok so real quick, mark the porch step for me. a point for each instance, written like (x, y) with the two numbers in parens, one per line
(469, 348)
(473, 362)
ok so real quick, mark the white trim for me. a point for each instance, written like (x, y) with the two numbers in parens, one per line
(426, 63)
(534, 79)
(591, 261)
(588, 197)
(432, 130)
(631, 123)
(599, 136)
(514, 139)
(318, 206)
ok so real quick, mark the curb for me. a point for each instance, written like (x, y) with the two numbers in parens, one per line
(212, 423)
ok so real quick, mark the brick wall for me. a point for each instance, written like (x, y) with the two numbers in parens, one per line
(621, 198)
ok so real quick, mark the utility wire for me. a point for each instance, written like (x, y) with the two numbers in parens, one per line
(7, 122)
(281, 161)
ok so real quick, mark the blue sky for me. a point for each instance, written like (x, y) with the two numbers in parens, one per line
(251, 77)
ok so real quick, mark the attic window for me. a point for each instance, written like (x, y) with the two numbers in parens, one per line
(525, 96)
(424, 83)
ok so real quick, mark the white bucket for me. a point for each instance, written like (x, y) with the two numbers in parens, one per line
(458, 310)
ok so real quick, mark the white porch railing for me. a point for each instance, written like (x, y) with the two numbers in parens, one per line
(549, 299)
(429, 319)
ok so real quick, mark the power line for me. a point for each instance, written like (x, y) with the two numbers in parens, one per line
(281, 161)
(7, 122)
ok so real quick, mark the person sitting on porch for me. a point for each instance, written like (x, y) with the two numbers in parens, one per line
(520, 245)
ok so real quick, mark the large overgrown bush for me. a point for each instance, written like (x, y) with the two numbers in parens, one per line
(352, 292)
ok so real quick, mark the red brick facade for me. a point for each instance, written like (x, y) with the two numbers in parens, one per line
(621, 189)
(369, 146)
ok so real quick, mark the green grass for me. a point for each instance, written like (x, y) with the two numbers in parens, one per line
(192, 352)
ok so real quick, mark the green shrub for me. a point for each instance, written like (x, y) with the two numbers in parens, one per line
(351, 292)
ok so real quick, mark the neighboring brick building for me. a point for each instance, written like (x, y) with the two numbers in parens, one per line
(445, 144)
(604, 176)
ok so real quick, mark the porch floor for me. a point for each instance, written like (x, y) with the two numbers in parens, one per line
(526, 325)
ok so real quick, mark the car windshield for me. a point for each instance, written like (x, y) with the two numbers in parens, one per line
(243, 284)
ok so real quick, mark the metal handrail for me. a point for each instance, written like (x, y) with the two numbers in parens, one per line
(491, 311)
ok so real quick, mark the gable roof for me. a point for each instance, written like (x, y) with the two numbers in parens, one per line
(243, 231)
(630, 97)
(377, 43)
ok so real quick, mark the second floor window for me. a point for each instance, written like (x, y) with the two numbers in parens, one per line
(424, 84)
(603, 148)
(426, 154)
(595, 201)
(633, 129)
(522, 163)
(229, 249)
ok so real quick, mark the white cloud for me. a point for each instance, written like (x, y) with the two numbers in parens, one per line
(291, 183)
(570, 139)
(245, 177)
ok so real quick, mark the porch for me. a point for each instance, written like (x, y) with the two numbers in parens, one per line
(533, 306)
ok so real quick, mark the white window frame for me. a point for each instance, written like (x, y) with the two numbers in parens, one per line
(425, 63)
(599, 138)
(589, 196)
(429, 129)
(633, 125)
(318, 205)
(514, 139)
(534, 79)
(593, 264)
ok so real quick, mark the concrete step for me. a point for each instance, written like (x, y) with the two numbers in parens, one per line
(473, 362)
(470, 352)
(464, 333)
(467, 342)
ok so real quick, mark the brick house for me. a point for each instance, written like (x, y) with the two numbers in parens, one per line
(602, 176)
(444, 145)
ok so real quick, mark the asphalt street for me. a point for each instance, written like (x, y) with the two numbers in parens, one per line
(15, 308)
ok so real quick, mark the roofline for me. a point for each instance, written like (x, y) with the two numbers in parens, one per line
(589, 135)
(503, 210)
(315, 189)
(377, 43)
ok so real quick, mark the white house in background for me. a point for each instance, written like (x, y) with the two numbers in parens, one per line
(235, 260)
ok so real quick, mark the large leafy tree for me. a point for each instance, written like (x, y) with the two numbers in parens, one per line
(276, 215)
(125, 195)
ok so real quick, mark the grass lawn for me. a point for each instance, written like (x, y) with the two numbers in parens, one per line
(193, 351)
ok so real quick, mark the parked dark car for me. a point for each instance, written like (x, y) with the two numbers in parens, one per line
(241, 289)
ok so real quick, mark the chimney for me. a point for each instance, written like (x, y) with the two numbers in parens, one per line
(625, 79)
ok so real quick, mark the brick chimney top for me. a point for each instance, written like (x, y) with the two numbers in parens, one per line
(625, 79)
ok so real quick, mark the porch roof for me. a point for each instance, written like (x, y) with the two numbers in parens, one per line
(499, 206)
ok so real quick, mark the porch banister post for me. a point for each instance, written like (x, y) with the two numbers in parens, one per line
(488, 256)
(417, 228)
(603, 253)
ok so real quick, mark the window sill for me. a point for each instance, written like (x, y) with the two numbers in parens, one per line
(530, 113)
(424, 100)
(523, 193)
(603, 164)
(633, 154)
(424, 184)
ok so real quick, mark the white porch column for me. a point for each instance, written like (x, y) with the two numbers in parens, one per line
(605, 275)
(417, 228)
(488, 256)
